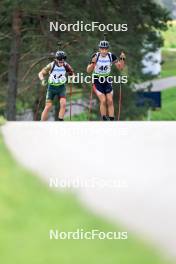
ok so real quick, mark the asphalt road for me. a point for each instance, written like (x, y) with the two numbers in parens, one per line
(158, 85)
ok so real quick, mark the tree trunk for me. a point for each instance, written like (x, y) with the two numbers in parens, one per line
(13, 65)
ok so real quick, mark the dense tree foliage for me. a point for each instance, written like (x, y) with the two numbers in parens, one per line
(26, 43)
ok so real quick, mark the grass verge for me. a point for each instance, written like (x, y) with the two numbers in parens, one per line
(169, 65)
(28, 210)
(168, 110)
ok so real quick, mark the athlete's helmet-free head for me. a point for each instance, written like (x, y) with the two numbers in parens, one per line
(60, 55)
(103, 44)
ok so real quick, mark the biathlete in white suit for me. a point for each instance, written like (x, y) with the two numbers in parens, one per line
(100, 66)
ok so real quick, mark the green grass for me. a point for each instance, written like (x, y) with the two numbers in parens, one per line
(2, 120)
(28, 209)
(85, 116)
(169, 66)
(168, 110)
(170, 35)
(169, 51)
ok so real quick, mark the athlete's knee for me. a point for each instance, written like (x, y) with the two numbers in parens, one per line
(103, 101)
(48, 107)
(110, 101)
(63, 104)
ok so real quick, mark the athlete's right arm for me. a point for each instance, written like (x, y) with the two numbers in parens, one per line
(91, 65)
(44, 72)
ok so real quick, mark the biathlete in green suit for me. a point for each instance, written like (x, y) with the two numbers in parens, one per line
(57, 71)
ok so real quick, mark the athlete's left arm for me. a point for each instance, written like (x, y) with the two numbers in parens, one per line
(69, 69)
(120, 64)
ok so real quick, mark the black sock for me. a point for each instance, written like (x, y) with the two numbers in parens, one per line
(60, 119)
(111, 118)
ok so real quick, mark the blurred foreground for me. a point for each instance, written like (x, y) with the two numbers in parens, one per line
(144, 205)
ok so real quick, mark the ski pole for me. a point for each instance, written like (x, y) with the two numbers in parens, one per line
(90, 102)
(119, 102)
(70, 101)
